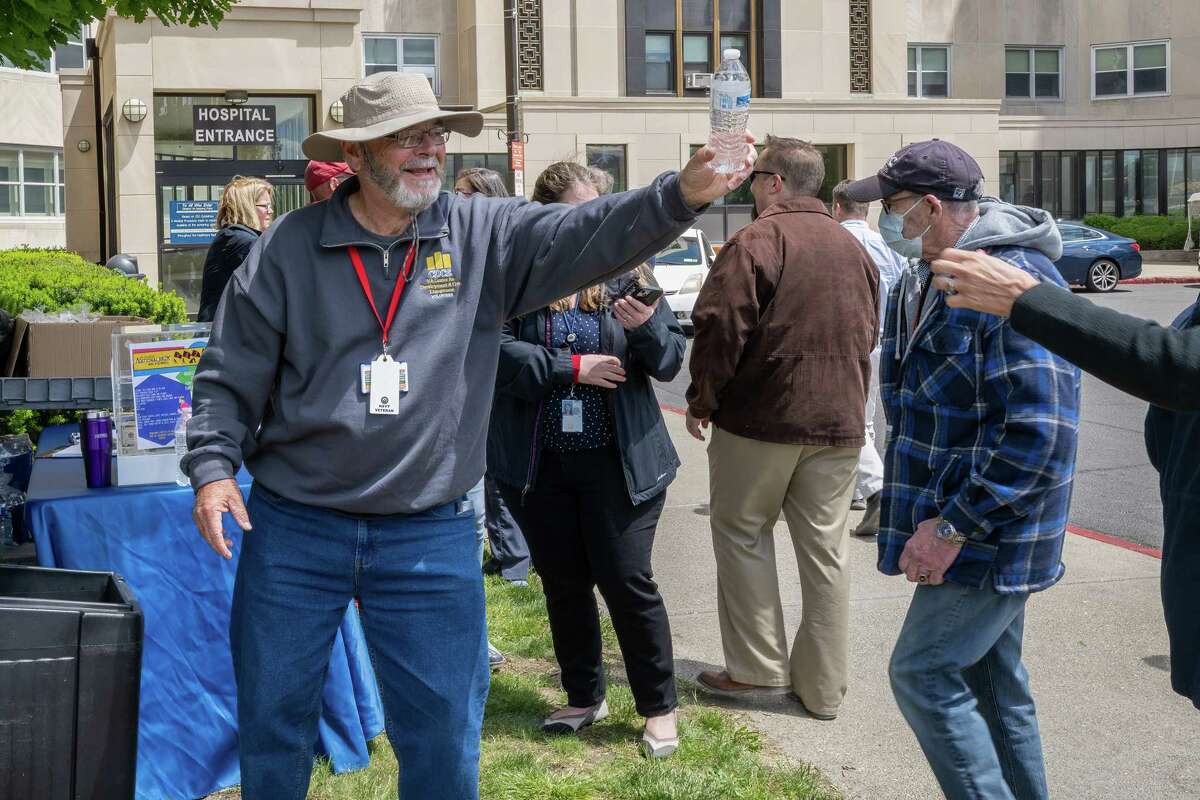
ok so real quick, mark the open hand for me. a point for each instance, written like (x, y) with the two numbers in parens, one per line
(694, 425)
(700, 185)
(213, 500)
(926, 557)
(603, 371)
(633, 313)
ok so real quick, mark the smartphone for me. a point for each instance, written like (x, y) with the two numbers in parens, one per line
(646, 295)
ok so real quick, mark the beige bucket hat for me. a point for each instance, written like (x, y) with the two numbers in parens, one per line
(384, 103)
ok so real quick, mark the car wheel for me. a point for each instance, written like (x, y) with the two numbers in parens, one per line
(1102, 276)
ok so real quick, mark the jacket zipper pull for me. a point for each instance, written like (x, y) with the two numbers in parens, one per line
(386, 274)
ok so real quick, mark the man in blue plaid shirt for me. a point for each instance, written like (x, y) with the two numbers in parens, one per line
(978, 475)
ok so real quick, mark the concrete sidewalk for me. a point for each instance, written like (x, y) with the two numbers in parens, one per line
(1095, 648)
(1168, 272)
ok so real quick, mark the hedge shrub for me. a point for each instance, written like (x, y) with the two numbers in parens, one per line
(1150, 231)
(53, 280)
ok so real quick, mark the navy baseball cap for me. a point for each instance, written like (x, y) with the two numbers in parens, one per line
(933, 167)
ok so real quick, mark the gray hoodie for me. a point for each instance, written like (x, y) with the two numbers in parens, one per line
(998, 225)
(279, 384)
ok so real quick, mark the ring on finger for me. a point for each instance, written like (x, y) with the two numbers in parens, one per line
(922, 578)
(949, 285)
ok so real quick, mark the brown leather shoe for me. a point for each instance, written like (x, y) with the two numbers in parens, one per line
(721, 685)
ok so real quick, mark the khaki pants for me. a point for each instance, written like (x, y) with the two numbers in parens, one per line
(750, 482)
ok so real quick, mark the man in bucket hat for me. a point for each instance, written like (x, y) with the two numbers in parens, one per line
(351, 366)
(977, 478)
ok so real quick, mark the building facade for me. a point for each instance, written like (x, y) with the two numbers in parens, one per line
(1075, 105)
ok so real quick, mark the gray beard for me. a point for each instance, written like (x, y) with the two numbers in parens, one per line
(414, 201)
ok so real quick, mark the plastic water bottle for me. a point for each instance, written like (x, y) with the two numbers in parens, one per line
(185, 414)
(730, 96)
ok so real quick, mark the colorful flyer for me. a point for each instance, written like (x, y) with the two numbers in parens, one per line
(162, 385)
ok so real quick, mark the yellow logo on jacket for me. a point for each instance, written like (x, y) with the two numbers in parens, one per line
(439, 276)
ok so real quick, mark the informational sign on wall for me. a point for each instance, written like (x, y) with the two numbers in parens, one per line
(192, 221)
(213, 125)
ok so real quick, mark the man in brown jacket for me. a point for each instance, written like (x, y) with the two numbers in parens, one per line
(785, 326)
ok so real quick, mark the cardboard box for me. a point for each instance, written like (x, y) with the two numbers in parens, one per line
(63, 349)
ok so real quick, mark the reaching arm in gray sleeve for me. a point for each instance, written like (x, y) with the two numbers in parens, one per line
(547, 252)
(1140, 357)
(237, 371)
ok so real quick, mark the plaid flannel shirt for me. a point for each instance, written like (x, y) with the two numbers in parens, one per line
(984, 426)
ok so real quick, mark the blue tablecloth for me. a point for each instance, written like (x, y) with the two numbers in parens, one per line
(187, 737)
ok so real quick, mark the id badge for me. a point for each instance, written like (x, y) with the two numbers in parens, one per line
(572, 415)
(364, 377)
(385, 386)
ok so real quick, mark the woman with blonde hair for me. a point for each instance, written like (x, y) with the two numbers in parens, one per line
(583, 460)
(244, 213)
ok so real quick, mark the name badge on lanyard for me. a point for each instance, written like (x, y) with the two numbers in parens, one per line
(384, 380)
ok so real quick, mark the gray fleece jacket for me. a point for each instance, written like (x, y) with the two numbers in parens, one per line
(278, 386)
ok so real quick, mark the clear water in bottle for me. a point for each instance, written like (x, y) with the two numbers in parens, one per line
(185, 414)
(730, 97)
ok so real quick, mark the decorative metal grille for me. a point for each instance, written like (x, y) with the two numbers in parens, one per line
(529, 43)
(860, 46)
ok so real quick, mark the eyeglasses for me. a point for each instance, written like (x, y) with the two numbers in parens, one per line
(763, 172)
(406, 139)
(263, 206)
(889, 207)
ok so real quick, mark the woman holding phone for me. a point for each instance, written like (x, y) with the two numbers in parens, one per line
(582, 456)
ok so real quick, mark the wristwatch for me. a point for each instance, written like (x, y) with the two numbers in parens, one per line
(948, 533)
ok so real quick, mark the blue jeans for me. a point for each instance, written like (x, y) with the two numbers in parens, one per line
(957, 676)
(420, 593)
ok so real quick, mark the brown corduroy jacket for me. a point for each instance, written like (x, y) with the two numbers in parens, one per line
(785, 326)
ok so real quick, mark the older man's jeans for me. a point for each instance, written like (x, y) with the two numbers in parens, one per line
(420, 595)
(957, 676)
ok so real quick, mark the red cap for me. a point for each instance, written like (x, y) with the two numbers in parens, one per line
(319, 172)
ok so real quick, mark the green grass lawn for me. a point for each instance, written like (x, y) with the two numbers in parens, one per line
(719, 757)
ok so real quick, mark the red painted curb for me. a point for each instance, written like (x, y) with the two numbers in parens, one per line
(1164, 279)
(1153, 552)
(673, 409)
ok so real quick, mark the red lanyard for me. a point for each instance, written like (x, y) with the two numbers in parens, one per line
(385, 325)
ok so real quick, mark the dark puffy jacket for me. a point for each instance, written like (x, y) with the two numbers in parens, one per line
(228, 250)
(528, 369)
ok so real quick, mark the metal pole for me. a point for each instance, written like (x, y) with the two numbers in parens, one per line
(512, 106)
(93, 53)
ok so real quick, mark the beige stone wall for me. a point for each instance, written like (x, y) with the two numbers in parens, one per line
(435, 17)
(321, 47)
(658, 134)
(82, 227)
(30, 115)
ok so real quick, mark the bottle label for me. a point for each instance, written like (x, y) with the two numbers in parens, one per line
(732, 102)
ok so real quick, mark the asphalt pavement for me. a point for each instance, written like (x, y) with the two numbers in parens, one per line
(1116, 489)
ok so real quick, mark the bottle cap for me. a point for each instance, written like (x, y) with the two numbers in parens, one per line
(733, 53)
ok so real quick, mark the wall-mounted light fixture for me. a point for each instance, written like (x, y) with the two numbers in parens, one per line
(83, 145)
(133, 110)
(236, 97)
(337, 111)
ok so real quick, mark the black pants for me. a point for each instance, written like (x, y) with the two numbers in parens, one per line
(583, 532)
(505, 539)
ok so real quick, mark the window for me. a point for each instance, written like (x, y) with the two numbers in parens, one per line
(1051, 196)
(1091, 186)
(611, 159)
(173, 129)
(1026, 194)
(928, 71)
(671, 40)
(1149, 191)
(1176, 181)
(1008, 176)
(69, 55)
(1129, 180)
(1073, 233)
(1128, 70)
(660, 63)
(417, 54)
(1069, 187)
(1108, 183)
(31, 182)
(1032, 72)
(696, 53)
(456, 162)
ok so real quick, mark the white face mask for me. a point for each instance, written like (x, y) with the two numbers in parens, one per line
(891, 228)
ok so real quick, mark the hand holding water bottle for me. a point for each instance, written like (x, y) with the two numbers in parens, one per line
(720, 166)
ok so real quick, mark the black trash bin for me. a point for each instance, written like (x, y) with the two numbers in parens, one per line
(70, 672)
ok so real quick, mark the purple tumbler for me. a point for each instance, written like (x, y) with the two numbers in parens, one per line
(95, 440)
